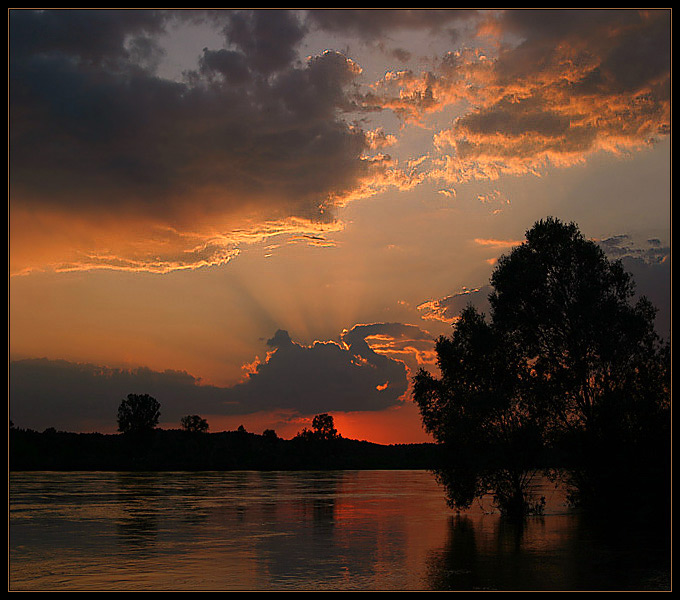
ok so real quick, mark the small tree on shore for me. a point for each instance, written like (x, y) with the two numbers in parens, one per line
(194, 424)
(138, 414)
(323, 429)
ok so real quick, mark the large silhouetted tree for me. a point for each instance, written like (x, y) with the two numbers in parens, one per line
(602, 370)
(566, 353)
(138, 413)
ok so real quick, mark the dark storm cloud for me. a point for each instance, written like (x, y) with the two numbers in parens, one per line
(267, 37)
(599, 53)
(94, 127)
(369, 23)
(94, 36)
(325, 376)
(633, 46)
(85, 397)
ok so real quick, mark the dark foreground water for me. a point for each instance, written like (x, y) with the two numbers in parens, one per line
(344, 530)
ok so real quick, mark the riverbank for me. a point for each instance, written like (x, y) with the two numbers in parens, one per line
(176, 450)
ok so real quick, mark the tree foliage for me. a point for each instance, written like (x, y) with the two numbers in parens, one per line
(567, 361)
(481, 409)
(138, 413)
(563, 305)
(323, 429)
(194, 424)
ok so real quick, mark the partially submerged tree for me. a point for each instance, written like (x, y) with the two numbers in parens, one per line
(566, 358)
(138, 414)
(602, 369)
(480, 409)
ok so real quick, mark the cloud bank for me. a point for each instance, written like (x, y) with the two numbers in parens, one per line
(114, 166)
(249, 144)
(295, 379)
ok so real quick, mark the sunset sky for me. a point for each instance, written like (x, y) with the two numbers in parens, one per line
(259, 216)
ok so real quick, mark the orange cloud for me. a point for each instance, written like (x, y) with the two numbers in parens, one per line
(115, 167)
(61, 242)
(408, 344)
(253, 144)
(447, 309)
(599, 84)
(497, 243)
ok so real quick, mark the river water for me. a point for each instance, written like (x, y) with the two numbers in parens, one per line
(334, 530)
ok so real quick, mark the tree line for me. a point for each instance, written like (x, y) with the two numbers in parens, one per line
(143, 446)
(139, 414)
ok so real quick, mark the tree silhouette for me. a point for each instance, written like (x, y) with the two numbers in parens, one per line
(194, 424)
(566, 359)
(270, 435)
(138, 413)
(324, 428)
(481, 410)
(601, 369)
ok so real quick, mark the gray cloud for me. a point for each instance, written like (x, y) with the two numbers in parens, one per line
(633, 46)
(322, 377)
(95, 130)
(369, 23)
(267, 37)
(91, 36)
(325, 376)
(85, 397)
(649, 262)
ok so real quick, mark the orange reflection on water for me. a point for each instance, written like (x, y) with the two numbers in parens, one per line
(307, 530)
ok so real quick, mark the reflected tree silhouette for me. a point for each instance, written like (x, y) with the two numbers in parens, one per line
(137, 497)
(455, 567)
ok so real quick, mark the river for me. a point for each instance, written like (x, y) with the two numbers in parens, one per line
(333, 530)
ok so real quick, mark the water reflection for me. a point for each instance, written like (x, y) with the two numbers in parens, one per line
(137, 525)
(559, 552)
(314, 533)
(341, 530)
